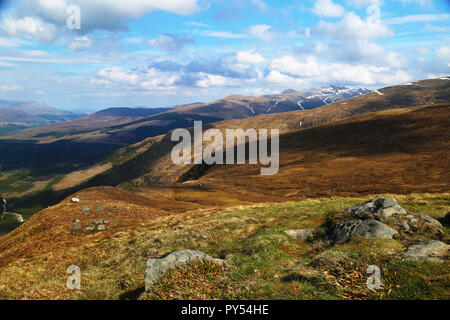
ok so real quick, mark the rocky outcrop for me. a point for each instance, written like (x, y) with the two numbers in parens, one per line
(378, 208)
(157, 267)
(299, 234)
(344, 231)
(429, 250)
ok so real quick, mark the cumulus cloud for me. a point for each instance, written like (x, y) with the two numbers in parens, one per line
(80, 43)
(250, 57)
(169, 42)
(443, 53)
(314, 71)
(327, 8)
(43, 18)
(135, 79)
(261, 31)
(353, 27)
(29, 26)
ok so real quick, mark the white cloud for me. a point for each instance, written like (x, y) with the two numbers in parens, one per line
(44, 19)
(223, 34)
(212, 80)
(12, 42)
(261, 5)
(421, 3)
(29, 26)
(261, 31)
(326, 8)
(149, 79)
(290, 65)
(278, 78)
(10, 88)
(443, 53)
(170, 42)
(418, 18)
(250, 57)
(353, 27)
(363, 3)
(314, 71)
(80, 43)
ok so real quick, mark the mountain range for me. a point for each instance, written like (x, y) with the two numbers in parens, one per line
(16, 115)
(130, 125)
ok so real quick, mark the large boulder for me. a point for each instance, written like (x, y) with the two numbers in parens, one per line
(343, 231)
(157, 267)
(299, 234)
(427, 250)
(377, 208)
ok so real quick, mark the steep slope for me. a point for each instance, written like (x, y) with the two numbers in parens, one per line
(149, 161)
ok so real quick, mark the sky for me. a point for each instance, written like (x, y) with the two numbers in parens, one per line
(86, 55)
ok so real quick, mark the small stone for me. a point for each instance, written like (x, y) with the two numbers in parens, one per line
(75, 200)
(101, 227)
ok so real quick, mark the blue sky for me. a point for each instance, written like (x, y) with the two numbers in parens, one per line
(161, 53)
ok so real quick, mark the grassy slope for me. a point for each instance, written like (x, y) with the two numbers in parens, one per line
(264, 262)
(149, 161)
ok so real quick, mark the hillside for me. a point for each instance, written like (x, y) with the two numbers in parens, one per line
(232, 212)
(149, 160)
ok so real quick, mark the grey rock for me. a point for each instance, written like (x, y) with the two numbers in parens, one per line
(157, 267)
(426, 250)
(300, 234)
(101, 227)
(362, 228)
(431, 220)
(75, 200)
(385, 202)
(377, 208)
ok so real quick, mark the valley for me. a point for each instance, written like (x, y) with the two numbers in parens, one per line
(108, 210)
